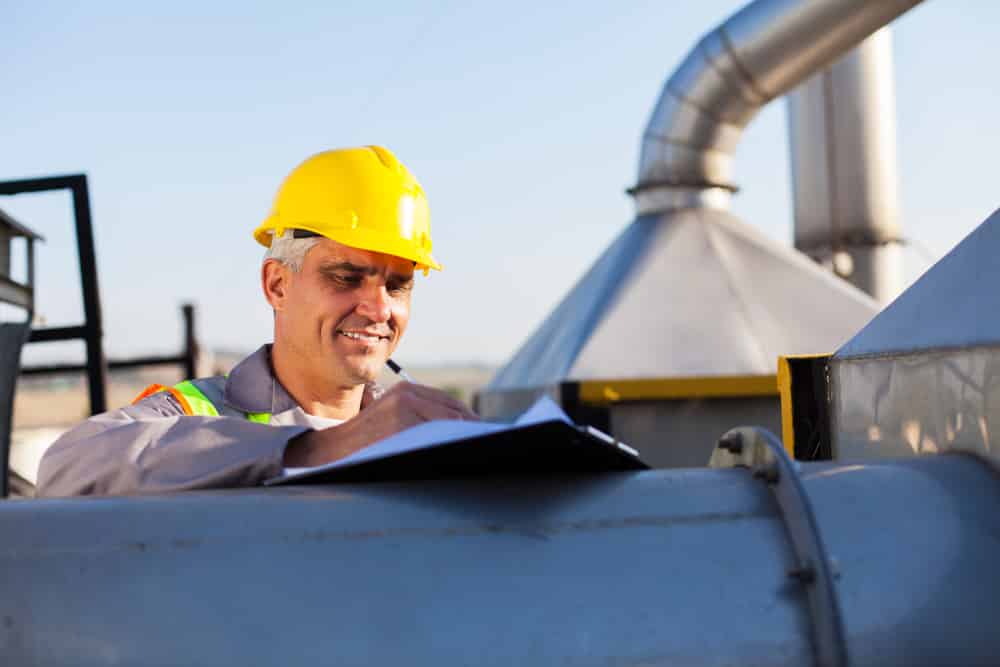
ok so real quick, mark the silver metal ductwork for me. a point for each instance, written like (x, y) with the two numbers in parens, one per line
(758, 54)
(705, 303)
(842, 139)
(924, 375)
(662, 567)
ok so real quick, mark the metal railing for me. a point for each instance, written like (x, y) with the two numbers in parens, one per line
(96, 365)
(91, 330)
(187, 359)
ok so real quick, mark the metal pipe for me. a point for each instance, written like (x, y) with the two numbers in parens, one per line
(759, 53)
(842, 138)
(657, 567)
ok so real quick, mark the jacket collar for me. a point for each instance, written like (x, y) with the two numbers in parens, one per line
(252, 387)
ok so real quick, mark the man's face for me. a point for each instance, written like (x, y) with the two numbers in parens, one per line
(346, 310)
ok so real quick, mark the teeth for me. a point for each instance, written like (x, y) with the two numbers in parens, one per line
(359, 336)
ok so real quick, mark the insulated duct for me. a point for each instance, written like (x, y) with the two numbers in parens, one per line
(759, 53)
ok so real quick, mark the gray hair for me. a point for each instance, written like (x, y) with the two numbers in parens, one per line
(290, 251)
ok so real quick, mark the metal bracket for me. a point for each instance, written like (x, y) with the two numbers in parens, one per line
(815, 569)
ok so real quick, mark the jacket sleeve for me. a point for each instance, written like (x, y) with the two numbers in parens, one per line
(153, 447)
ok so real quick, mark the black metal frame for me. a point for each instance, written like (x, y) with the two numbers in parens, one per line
(91, 331)
(188, 357)
(810, 407)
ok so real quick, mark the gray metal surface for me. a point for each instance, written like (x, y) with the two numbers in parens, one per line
(662, 567)
(916, 403)
(759, 53)
(18, 293)
(842, 139)
(682, 433)
(815, 568)
(950, 306)
(657, 200)
(12, 338)
(688, 293)
(924, 375)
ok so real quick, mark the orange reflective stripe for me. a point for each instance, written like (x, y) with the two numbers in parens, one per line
(157, 388)
(182, 400)
(148, 391)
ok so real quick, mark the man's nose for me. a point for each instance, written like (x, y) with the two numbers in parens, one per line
(374, 304)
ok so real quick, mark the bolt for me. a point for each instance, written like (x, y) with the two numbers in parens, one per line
(768, 473)
(804, 575)
(732, 443)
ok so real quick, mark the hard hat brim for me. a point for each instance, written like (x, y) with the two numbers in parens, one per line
(264, 234)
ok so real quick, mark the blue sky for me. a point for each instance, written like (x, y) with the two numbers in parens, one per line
(522, 122)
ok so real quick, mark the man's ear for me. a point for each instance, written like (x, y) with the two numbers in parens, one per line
(275, 279)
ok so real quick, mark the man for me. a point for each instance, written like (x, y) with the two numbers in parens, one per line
(347, 232)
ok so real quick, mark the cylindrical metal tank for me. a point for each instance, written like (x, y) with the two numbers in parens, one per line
(842, 131)
(660, 567)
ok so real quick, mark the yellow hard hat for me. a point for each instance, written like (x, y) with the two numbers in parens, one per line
(362, 197)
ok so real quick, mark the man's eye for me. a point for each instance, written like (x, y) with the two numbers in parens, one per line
(399, 288)
(347, 279)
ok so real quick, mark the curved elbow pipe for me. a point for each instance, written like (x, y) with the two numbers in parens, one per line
(758, 54)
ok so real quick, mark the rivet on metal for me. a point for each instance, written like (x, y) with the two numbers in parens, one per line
(805, 574)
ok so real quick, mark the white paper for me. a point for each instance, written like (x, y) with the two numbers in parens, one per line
(431, 434)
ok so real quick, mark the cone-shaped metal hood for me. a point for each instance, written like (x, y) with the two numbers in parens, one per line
(690, 292)
(687, 290)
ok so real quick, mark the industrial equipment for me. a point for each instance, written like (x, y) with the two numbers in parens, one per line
(706, 303)
(924, 376)
(842, 137)
(660, 567)
(757, 560)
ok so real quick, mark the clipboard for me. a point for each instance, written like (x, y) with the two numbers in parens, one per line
(542, 441)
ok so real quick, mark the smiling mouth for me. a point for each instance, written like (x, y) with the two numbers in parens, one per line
(363, 337)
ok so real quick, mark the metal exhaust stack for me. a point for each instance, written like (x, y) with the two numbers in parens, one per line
(758, 54)
(842, 132)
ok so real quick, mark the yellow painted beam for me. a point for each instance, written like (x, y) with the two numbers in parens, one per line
(603, 392)
(785, 391)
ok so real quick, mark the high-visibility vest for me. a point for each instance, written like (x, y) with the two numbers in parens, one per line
(204, 398)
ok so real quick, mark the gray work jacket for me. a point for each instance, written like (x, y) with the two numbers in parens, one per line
(154, 447)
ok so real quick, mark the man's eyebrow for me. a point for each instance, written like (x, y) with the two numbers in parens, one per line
(350, 268)
(364, 270)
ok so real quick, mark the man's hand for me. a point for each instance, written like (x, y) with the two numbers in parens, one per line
(403, 406)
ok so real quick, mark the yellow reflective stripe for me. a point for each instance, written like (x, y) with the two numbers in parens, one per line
(200, 405)
(602, 392)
